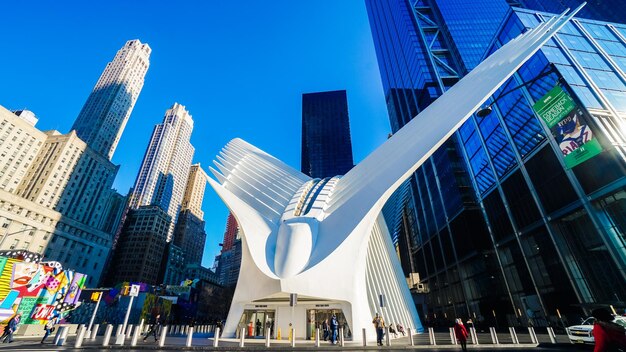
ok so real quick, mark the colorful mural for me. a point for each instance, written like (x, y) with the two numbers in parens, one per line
(37, 289)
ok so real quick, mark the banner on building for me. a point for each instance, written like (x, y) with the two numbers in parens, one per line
(568, 123)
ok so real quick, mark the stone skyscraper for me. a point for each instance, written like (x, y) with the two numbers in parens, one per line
(163, 174)
(103, 117)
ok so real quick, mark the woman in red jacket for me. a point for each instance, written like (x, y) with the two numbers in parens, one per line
(608, 335)
(461, 333)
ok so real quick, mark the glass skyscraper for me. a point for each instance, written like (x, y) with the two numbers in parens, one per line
(326, 142)
(498, 225)
(603, 10)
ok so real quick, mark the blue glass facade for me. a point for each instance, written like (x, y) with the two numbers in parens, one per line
(530, 235)
(603, 10)
(326, 142)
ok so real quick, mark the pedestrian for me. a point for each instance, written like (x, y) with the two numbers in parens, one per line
(11, 328)
(334, 329)
(392, 331)
(379, 325)
(49, 328)
(154, 328)
(325, 329)
(258, 327)
(608, 336)
(461, 333)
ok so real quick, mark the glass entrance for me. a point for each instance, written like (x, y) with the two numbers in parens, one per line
(256, 322)
(316, 318)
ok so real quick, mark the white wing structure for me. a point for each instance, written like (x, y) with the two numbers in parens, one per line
(325, 239)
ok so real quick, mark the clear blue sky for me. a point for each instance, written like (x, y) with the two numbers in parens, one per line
(239, 67)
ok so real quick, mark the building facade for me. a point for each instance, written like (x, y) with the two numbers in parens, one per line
(228, 262)
(105, 114)
(514, 251)
(326, 143)
(194, 191)
(163, 174)
(603, 10)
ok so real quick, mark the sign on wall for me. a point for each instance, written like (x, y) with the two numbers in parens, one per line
(568, 124)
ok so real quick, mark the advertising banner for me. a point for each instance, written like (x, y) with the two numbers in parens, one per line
(568, 124)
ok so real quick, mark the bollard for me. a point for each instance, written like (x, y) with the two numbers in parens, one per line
(63, 330)
(107, 334)
(293, 337)
(494, 336)
(317, 337)
(364, 337)
(533, 336)
(551, 334)
(473, 335)
(216, 338)
(118, 330)
(410, 333)
(94, 331)
(80, 336)
(431, 336)
(452, 337)
(189, 337)
(163, 336)
(185, 329)
(133, 341)
(267, 338)
(242, 337)
(341, 341)
(513, 335)
(129, 330)
(387, 337)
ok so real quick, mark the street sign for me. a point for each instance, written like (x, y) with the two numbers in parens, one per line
(134, 291)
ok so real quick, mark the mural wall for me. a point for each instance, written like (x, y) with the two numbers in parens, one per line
(37, 289)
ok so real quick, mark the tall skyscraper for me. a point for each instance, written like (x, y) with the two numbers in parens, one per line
(103, 117)
(509, 170)
(194, 191)
(326, 143)
(603, 10)
(165, 168)
(228, 262)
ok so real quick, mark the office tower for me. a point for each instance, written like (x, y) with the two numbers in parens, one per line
(172, 270)
(194, 191)
(326, 143)
(603, 10)
(105, 113)
(141, 246)
(229, 259)
(533, 258)
(165, 168)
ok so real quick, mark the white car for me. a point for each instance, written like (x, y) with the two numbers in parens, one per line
(582, 333)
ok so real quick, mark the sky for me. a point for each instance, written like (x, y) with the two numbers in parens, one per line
(239, 67)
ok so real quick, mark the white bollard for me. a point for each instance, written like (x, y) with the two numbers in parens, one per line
(494, 336)
(387, 337)
(94, 331)
(129, 330)
(118, 331)
(317, 337)
(533, 336)
(133, 341)
(242, 337)
(57, 336)
(410, 333)
(189, 337)
(107, 335)
(474, 335)
(293, 337)
(63, 335)
(341, 341)
(163, 335)
(551, 334)
(364, 337)
(80, 336)
(216, 337)
(452, 336)
(267, 337)
(431, 336)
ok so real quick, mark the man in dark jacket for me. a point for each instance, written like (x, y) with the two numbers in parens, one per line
(11, 328)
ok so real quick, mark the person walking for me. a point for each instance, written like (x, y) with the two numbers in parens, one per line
(461, 333)
(11, 328)
(49, 328)
(325, 329)
(153, 329)
(400, 329)
(607, 335)
(334, 328)
(392, 331)
(379, 325)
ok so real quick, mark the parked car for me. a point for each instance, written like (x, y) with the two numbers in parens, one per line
(582, 333)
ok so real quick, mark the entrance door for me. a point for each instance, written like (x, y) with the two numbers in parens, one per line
(315, 318)
(255, 323)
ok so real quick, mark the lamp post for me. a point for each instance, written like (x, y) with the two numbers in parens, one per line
(486, 110)
(14, 233)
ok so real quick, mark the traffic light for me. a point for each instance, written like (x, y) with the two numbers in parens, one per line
(95, 296)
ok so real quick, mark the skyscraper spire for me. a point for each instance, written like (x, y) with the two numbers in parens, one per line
(105, 113)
